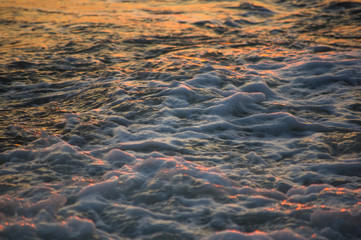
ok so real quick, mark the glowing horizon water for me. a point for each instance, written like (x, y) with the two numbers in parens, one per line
(180, 119)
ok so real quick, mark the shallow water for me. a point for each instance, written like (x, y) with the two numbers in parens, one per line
(180, 119)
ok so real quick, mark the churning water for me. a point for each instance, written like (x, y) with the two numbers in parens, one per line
(180, 119)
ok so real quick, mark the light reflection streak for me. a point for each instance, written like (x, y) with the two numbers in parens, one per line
(82, 179)
(24, 222)
(288, 206)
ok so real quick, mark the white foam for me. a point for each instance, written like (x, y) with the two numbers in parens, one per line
(118, 157)
(237, 103)
(72, 228)
(279, 123)
(258, 235)
(106, 188)
(206, 80)
(259, 87)
(211, 133)
(341, 220)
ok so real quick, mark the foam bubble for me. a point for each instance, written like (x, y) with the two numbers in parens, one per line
(206, 80)
(276, 235)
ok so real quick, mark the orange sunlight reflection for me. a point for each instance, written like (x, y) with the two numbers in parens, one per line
(82, 179)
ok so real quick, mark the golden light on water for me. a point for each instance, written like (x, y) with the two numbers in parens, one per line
(135, 118)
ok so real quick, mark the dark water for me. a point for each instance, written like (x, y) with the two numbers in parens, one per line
(180, 119)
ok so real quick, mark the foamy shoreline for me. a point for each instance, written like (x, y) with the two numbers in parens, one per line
(180, 120)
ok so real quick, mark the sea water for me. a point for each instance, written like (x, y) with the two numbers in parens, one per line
(180, 119)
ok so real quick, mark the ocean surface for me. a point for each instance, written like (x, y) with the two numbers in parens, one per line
(194, 119)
